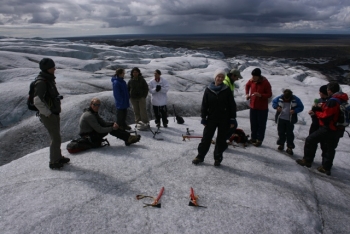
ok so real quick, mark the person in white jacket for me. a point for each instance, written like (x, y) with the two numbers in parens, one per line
(158, 88)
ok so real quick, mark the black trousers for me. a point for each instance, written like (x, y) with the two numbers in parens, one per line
(96, 138)
(161, 112)
(121, 117)
(285, 133)
(313, 128)
(324, 136)
(208, 133)
(258, 119)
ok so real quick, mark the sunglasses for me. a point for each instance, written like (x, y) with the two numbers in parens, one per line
(96, 104)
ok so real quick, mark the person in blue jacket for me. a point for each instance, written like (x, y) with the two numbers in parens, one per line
(287, 106)
(121, 97)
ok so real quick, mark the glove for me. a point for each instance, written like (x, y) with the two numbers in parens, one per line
(204, 121)
(158, 87)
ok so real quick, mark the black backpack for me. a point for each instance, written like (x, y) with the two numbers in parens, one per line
(178, 118)
(83, 143)
(30, 100)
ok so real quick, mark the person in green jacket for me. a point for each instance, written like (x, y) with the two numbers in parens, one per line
(230, 79)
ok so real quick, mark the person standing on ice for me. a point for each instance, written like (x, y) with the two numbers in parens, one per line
(48, 101)
(158, 87)
(230, 79)
(218, 111)
(287, 108)
(258, 91)
(121, 98)
(138, 91)
(328, 133)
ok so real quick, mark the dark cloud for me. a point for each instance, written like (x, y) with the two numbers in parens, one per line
(182, 15)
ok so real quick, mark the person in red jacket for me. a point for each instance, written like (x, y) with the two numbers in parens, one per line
(328, 133)
(258, 91)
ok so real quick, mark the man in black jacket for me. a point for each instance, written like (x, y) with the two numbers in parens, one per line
(48, 101)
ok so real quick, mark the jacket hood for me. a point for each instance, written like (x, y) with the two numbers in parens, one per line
(217, 89)
(341, 96)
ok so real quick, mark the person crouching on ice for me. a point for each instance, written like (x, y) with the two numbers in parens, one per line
(288, 106)
(218, 111)
(158, 87)
(92, 125)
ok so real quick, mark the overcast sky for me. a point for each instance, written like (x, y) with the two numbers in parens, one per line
(62, 18)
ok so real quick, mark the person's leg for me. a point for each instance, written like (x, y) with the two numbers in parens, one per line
(52, 124)
(136, 107)
(262, 120)
(164, 113)
(290, 135)
(156, 115)
(254, 124)
(332, 144)
(311, 142)
(143, 110)
(208, 134)
(281, 130)
(121, 117)
(121, 134)
(220, 145)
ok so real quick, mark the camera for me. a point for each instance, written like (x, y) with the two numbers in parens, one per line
(59, 97)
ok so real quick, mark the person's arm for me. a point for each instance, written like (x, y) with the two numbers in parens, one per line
(117, 92)
(40, 91)
(165, 86)
(94, 123)
(300, 106)
(247, 89)
(267, 93)
(275, 102)
(152, 87)
(204, 108)
(144, 88)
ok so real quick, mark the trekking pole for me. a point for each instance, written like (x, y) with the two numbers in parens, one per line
(188, 131)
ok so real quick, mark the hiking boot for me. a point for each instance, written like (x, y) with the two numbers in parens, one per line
(165, 125)
(280, 147)
(257, 143)
(132, 139)
(197, 160)
(322, 170)
(252, 141)
(217, 162)
(289, 151)
(303, 162)
(56, 165)
(64, 160)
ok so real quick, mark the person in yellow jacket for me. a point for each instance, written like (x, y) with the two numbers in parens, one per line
(230, 79)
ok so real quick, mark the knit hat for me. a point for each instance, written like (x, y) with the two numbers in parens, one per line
(256, 72)
(219, 71)
(236, 73)
(46, 63)
(323, 89)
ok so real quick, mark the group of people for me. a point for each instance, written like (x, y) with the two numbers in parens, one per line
(218, 112)
(91, 125)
